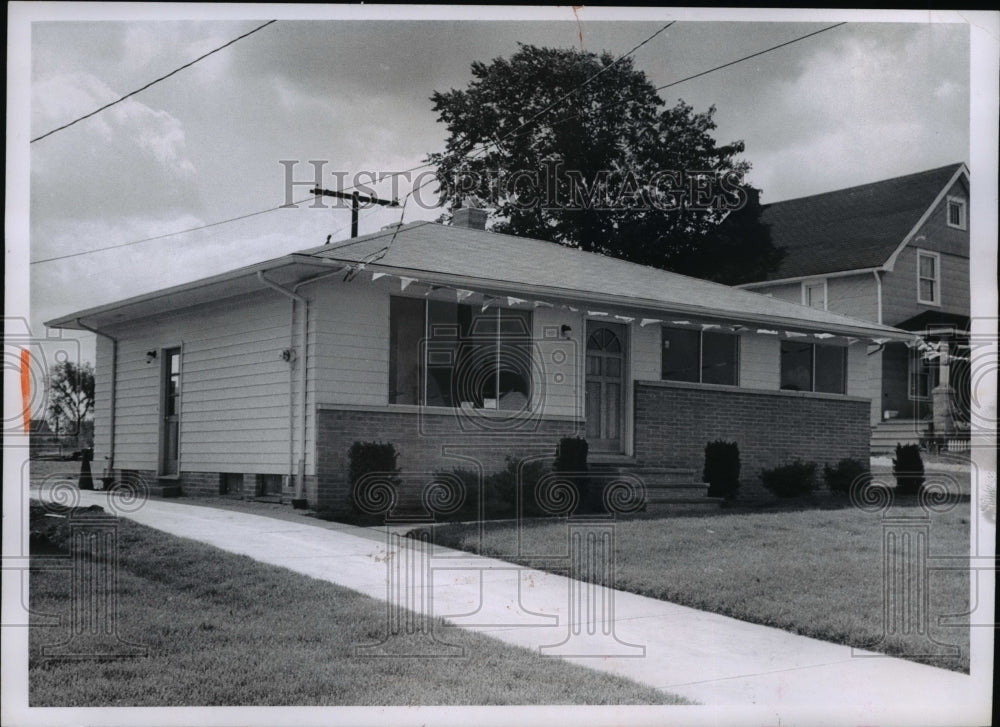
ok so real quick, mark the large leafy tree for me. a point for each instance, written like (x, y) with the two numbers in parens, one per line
(578, 148)
(71, 397)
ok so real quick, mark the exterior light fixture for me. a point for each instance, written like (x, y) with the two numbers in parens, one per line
(150, 356)
(565, 331)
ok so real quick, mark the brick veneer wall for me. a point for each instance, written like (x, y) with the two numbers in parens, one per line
(674, 421)
(426, 442)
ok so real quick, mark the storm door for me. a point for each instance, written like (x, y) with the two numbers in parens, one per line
(170, 404)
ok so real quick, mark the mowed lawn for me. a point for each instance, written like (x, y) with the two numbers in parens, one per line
(223, 629)
(814, 572)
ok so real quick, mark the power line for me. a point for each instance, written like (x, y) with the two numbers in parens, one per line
(703, 73)
(178, 232)
(272, 209)
(151, 83)
(428, 164)
(752, 55)
(569, 93)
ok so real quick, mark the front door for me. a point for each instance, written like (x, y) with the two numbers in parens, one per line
(604, 393)
(170, 402)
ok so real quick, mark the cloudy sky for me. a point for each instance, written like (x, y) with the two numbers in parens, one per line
(862, 102)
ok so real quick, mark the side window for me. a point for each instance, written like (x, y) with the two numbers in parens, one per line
(928, 278)
(957, 213)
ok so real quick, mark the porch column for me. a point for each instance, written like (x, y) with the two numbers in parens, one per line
(941, 395)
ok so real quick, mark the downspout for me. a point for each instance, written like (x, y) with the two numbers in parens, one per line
(110, 466)
(878, 296)
(299, 490)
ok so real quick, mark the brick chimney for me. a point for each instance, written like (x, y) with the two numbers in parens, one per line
(471, 217)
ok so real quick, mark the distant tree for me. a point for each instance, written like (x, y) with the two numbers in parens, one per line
(71, 397)
(576, 148)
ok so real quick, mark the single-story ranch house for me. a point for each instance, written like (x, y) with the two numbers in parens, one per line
(462, 347)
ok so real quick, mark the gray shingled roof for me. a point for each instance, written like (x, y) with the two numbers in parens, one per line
(850, 229)
(493, 263)
(434, 252)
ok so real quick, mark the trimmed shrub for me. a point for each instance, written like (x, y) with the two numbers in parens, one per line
(908, 469)
(469, 509)
(571, 455)
(840, 478)
(501, 487)
(367, 458)
(500, 491)
(790, 480)
(722, 469)
(571, 458)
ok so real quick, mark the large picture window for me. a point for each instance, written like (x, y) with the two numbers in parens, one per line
(705, 357)
(813, 367)
(454, 355)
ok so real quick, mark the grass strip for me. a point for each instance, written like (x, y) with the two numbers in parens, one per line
(819, 573)
(222, 629)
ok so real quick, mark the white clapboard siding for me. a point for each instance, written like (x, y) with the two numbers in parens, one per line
(647, 362)
(350, 342)
(858, 383)
(760, 361)
(234, 386)
(557, 361)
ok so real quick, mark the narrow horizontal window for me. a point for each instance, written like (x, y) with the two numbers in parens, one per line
(813, 367)
(706, 357)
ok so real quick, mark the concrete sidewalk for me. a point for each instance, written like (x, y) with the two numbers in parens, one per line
(709, 658)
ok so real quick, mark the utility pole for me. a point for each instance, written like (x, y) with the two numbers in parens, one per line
(356, 201)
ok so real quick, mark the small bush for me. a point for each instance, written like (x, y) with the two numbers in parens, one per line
(571, 458)
(839, 478)
(908, 469)
(366, 458)
(722, 469)
(571, 455)
(790, 480)
(501, 487)
(469, 509)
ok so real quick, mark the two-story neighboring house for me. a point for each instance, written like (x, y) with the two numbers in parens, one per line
(894, 252)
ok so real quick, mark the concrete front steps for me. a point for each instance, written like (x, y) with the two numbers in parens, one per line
(667, 490)
(887, 434)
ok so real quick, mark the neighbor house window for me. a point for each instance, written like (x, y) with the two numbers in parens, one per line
(814, 294)
(956, 213)
(705, 357)
(452, 355)
(813, 367)
(923, 378)
(928, 278)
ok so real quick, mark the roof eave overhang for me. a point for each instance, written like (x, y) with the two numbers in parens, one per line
(812, 276)
(503, 287)
(186, 295)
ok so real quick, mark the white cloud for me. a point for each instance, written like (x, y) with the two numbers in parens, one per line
(121, 161)
(862, 109)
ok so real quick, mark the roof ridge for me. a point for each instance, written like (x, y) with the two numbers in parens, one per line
(616, 260)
